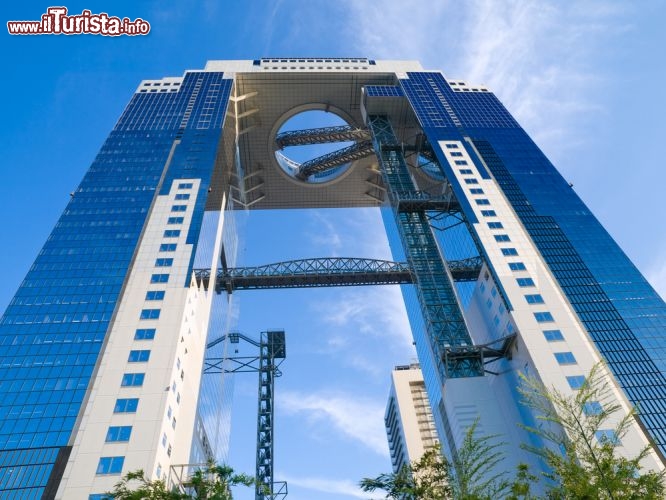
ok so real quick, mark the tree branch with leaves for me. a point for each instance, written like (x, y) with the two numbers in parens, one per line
(212, 482)
(472, 473)
(582, 432)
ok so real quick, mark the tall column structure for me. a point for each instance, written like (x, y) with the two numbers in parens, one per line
(102, 347)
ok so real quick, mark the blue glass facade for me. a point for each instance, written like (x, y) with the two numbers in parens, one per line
(622, 313)
(55, 327)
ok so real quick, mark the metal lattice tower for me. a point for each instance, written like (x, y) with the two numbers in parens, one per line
(272, 351)
(271, 348)
(443, 318)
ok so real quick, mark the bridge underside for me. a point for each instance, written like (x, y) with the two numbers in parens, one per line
(326, 272)
(247, 170)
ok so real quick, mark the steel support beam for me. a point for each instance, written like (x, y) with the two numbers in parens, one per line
(272, 348)
(463, 359)
(465, 269)
(419, 201)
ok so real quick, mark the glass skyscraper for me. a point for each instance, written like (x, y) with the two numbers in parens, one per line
(103, 346)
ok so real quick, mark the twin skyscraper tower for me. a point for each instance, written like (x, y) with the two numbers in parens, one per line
(103, 347)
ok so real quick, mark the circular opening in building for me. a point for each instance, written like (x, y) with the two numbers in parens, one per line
(306, 152)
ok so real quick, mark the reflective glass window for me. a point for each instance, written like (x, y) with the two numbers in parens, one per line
(553, 335)
(118, 433)
(592, 408)
(132, 379)
(139, 356)
(543, 317)
(128, 405)
(150, 314)
(534, 298)
(155, 295)
(144, 334)
(607, 436)
(576, 381)
(525, 282)
(110, 465)
(565, 358)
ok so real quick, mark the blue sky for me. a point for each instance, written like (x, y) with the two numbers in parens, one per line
(583, 78)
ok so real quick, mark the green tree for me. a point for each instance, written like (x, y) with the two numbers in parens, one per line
(212, 482)
(470, 475)
(427, 477)
(521, 488)
(136, 486)
(215, 481)
(582, 455)
(474, 469)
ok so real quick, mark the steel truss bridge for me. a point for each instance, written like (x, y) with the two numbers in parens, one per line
(323, 135)
(362, 147)
(325, 272)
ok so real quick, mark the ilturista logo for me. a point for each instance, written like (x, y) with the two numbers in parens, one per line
(57, 21)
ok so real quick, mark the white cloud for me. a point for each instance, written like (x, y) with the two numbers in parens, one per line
(349, 233)
(537, 56)
(325, 234)
(359, 419)
(361, 314)
(366, 364)
(269, 23)
(330, 486)
(378, 312)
